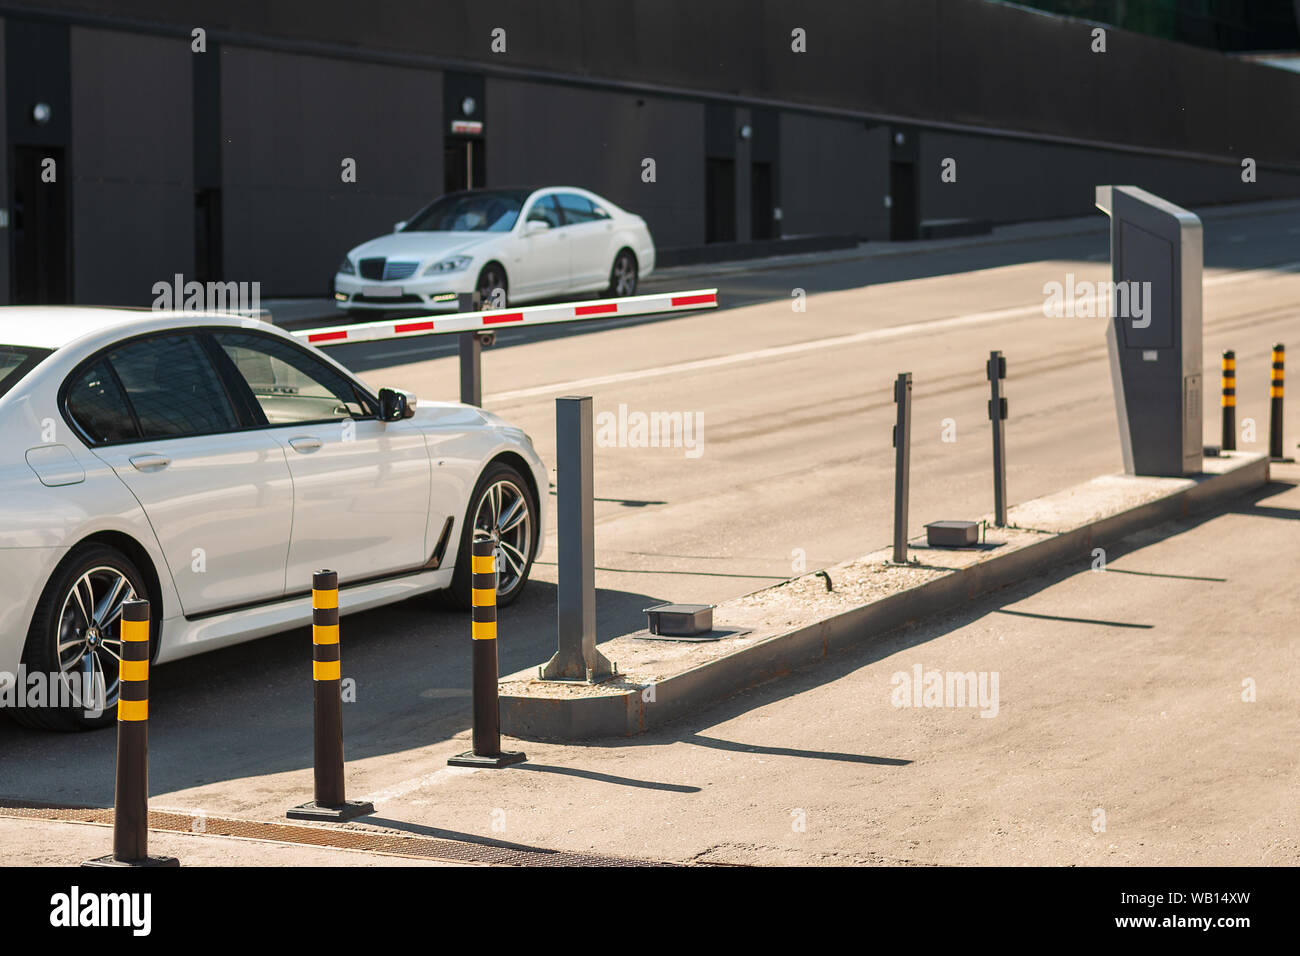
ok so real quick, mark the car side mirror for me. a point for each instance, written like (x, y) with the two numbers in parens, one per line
(399, 226)
(534, 226)
(394, 405)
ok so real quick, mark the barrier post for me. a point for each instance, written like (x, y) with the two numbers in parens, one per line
(326, 665)
(131, 791)
(576, 657)
(902, 462)
(483, 632)
(1275, 386)
(997, 371)
(471, 354)
(1229, 401)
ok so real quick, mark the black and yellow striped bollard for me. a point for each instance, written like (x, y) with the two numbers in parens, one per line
(487, 710)
(1276, 383)
(131, 792)
(326, 664)
(1229, 401)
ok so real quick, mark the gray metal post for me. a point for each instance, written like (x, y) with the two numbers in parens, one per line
(997, 371)
(576, 657)
(902, 462)
(471, 352)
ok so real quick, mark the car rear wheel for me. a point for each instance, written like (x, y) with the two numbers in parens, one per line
(501, 509)
(623, 275)
(492, 287)
(75, 640)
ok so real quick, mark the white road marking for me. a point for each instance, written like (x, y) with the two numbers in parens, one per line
(838, 341)
(416, 783)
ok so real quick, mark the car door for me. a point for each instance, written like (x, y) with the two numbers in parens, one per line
(219, 499)
(360, 486)
(542, 265)
(590, 233)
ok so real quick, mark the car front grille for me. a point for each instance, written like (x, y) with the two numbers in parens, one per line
(399, 270)
(371, 268)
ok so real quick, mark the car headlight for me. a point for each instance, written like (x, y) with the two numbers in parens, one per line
(346, 268)
(454, 264)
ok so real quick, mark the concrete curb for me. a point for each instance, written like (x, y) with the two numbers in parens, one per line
(638, 709)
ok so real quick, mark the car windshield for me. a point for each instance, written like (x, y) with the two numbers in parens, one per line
(15, 362)
(486, 211)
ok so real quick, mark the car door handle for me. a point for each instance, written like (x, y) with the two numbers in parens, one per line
(305, 445)
(150, 462)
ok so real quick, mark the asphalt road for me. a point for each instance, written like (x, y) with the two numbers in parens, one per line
(794, 470)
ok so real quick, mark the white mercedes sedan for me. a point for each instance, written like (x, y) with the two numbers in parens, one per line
(210, 464)
(509, 245)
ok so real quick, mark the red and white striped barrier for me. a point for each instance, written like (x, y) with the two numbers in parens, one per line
(491, 320)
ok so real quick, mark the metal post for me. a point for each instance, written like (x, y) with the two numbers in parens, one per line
(902, 462)
(997, 371)
(471, 352)
(131, 792)
(575, 616)
(1275, 386)
(1229, 401)
(483, 630)
(327, 708)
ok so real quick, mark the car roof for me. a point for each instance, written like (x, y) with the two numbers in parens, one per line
(53, 327)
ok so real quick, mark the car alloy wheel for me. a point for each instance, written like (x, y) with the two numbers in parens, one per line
(89, 644)
(622, 279)
(492, 288)
(504, 516)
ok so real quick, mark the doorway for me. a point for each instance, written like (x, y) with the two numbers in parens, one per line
(464, 163)
(904, 211)
(39, 227)
(720, 201)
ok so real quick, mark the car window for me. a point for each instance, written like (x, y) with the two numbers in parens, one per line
(15, 362)
(97, 406)
(291, 385)
(544, 210)
(576, 208)
(172, 387)
(469, 212)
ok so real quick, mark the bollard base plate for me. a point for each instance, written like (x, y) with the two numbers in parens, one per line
(111, 860)
(471, 759)
(344, 811)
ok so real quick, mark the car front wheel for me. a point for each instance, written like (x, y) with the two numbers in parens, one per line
(501, 510)
(75, 641)
(492, 287)
(623, 275)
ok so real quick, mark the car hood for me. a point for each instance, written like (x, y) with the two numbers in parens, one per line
(422, 246)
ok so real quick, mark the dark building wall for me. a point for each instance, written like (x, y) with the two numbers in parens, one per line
(540, 134)
(288, 122)
(1007, 180)
(132, 165)
(834, 177)
(4, 178)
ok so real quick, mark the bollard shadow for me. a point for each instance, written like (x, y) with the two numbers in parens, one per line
(608, 778)
(246, 711)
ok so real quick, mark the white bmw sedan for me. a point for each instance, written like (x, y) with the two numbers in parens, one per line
(509, 245)
(210, 464)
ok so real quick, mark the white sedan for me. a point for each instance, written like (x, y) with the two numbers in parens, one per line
(210, 464)
(509, 245)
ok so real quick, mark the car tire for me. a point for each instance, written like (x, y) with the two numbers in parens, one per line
(622, 275)
(57, 620)
(512, 573)
(491, 279)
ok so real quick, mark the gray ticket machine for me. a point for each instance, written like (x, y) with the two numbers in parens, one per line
(1154, 333)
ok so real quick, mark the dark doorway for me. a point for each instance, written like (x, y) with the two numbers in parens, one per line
(762, 226)
(904, 209)
(39, 226)
(207, 235)
(464, 163)
(720, 201)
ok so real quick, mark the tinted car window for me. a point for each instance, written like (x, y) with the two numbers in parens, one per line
(97, 406)
(486, 211)
(15, 362)
(172, 387)
(291, 385)
(544, 210)
(577, 208)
